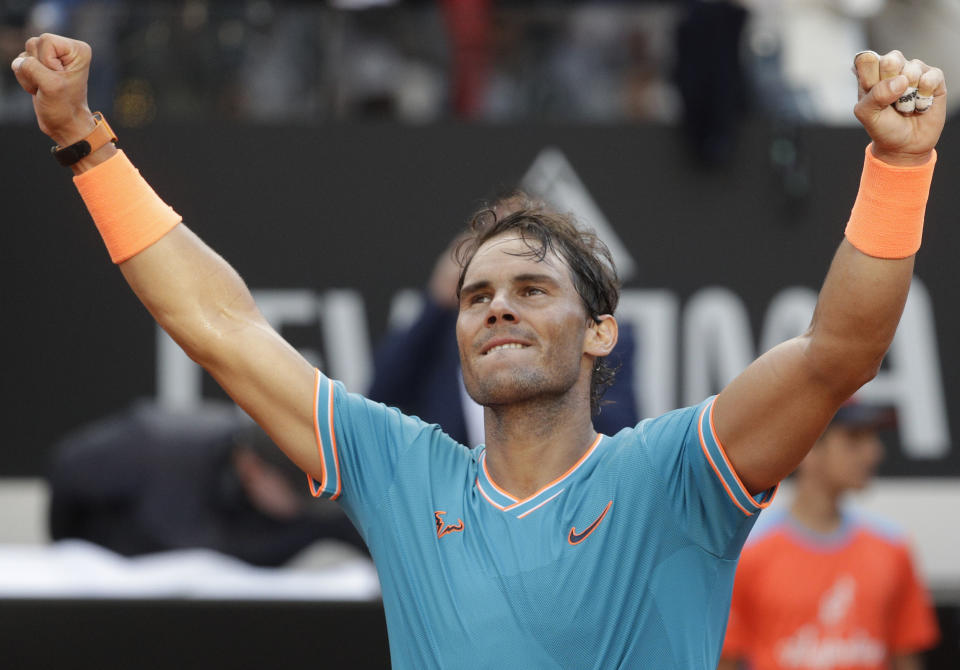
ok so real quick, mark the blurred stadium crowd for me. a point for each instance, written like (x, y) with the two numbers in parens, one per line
(417, 61)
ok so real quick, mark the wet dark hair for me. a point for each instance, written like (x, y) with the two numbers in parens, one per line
(542, 230)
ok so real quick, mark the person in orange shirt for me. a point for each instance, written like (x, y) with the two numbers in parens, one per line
(822, 586)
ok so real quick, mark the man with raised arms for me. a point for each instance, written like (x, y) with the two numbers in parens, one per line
(551, 546)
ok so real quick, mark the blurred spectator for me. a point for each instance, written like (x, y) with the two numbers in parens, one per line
(802, 52)
(598, 62)
(279, 63)
(468, 24)
(820, 586)
(710, 77)
(385, 64)
(417, 369)
(13, 33)
(416, 62)
(149, 479)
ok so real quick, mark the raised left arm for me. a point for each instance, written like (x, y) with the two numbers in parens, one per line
(772, 413)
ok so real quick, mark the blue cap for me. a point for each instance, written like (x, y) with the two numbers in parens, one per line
(854, 414)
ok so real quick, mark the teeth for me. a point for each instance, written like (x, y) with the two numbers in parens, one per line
(511, 345)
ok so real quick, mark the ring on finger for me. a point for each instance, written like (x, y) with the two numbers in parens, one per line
(922, 103)
(907, 102)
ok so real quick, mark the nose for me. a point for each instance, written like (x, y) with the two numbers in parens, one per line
(501, 309)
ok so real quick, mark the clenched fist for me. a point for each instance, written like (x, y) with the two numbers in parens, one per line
(900, 137)
(54, 70)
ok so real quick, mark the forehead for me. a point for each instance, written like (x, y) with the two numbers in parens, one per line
(509, 254)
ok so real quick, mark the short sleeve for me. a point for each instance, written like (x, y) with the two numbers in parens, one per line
(914, 625)
(360, 442)
(713, 504)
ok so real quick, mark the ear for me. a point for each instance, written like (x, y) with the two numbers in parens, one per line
(601, 337)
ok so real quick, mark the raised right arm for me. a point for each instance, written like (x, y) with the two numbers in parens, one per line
(207, 309)
(190, 290)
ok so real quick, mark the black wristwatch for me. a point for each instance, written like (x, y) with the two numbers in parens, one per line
(99, 136)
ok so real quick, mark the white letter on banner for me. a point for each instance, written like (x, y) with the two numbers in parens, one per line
(405, 308)
(347, 339)
(180, 380)
(290, 307)
(911, 380)
(653, 315)
(717, 342)
(788, 316)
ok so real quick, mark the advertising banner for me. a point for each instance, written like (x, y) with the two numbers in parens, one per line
(337, 229)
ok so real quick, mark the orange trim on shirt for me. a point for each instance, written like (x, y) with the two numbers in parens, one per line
(544, 488)
(489, 499)
(493, 483)
(706, 452)
(536, 507)
(333, 441)
(316, 434)
(723, 452)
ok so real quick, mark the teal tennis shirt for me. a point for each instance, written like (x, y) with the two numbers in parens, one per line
(625, 561)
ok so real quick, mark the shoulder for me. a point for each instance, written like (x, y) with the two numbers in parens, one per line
(378, 418)
(377, 432)
(662, 443)
(673, 426)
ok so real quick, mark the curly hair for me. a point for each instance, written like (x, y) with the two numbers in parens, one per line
(543, 231)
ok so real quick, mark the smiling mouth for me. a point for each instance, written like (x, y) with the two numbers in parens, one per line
(502, 347)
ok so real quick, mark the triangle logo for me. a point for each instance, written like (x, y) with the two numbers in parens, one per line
(552, 178)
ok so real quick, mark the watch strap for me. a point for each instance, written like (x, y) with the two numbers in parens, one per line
(98, 137)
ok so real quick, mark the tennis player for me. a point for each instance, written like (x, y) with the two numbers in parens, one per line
(551, 546)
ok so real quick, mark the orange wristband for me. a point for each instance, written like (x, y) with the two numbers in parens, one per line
(127, 212)
(887, 218)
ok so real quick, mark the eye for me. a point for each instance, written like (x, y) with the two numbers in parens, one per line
(533, 290)
(478, 298)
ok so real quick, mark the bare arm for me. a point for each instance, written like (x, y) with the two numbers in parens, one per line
(770, 415)
(207, 309)
(190, 290)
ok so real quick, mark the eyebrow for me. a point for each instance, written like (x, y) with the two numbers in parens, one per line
(517, 279)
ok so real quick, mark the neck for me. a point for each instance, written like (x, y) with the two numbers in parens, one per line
(532, 443)
(816, 505)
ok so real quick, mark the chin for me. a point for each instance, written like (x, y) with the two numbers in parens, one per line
(507, 387)
(503, 394)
